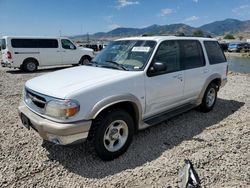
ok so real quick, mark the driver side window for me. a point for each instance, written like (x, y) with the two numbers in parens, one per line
(66, 44)
(168, 53)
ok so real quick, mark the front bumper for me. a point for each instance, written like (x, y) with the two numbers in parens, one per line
(58, 133)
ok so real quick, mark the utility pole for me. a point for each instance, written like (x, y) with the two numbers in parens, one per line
(88, 38)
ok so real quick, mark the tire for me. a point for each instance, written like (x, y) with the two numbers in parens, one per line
(209, 98)
(113, 133)
(29, 65)
(85, 60)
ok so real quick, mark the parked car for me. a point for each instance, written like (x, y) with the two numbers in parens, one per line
(29, 53)
(235, 47)
(245, 47)
(130, 85)
(224, 46)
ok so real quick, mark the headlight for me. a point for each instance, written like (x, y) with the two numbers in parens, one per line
(62, 109)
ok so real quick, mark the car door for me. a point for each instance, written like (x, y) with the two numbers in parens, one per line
(164, 89)
(49, 52)
(70, 54)
(194, 64)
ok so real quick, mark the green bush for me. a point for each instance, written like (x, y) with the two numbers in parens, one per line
(198, 33)
(229, 36)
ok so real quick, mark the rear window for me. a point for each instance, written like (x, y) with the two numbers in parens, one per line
(232, 45)
(3, 44)
(47, 43)
(24, 43)
(34, 43)
(214, 52)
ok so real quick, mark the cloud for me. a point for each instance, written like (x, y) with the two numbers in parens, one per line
(196, 1)
(125, 3)
(166, 11)
(242, 10)
(113, 26)
(191, 19)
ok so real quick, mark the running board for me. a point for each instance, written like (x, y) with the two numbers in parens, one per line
(168, 114)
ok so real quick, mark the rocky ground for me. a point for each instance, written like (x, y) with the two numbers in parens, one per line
(218, 144)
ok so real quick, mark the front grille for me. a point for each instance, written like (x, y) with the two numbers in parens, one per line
(37, 100)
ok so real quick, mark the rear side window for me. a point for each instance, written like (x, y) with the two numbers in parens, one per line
(214, 52)
(24, 43)
(192, 54)
(3, 44)
(34, 43)
(47, 43)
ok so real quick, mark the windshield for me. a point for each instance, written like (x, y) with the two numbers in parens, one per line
(131, 55)
(3, 44)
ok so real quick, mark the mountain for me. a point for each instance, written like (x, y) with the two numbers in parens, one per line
(227, 26)
(232, 26)
(153, 29)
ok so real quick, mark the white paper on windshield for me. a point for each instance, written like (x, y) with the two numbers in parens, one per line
(140, 49)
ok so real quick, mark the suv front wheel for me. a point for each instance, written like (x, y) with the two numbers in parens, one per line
(113, 133)
(209, 98)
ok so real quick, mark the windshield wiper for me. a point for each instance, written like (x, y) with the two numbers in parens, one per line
(120, 66)
(92, 63)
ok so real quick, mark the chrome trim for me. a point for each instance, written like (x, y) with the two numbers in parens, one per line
(33, 98)
(28, 99)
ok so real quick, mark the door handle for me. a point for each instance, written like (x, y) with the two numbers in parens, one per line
(178, 76)
(205, 70)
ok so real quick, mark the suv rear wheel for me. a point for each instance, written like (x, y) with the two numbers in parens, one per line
(113, 133)
(209, 98)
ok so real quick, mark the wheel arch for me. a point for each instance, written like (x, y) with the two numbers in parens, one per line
(215, 78)
(31, 58)
(85, 56)
(127, 102)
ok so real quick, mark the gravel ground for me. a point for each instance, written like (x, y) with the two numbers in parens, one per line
(218, 143)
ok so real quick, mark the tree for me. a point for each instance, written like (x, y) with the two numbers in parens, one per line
(229, 36)
(240, 37)
(198, 33)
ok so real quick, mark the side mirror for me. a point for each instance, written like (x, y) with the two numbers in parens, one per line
(157, 67)
(71, 47)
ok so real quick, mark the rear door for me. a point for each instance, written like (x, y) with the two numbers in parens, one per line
(49, 52)
(194, 64)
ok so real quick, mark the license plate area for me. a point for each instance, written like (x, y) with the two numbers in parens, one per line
(25, 121)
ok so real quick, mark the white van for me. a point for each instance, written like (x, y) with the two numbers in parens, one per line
(27, 53)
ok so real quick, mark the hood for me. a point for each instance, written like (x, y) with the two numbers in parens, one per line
(86, 49)
(62, 83)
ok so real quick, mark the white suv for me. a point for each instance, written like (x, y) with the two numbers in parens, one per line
(27, 53)
(132, 84)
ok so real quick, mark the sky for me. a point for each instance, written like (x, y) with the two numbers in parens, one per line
(74, 17)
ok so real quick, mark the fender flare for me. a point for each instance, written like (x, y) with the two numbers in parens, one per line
(115, 99)
(207, 82)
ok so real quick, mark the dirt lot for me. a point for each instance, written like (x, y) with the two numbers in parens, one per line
(218, 143)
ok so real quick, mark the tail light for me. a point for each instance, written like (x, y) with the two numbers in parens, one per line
(9, 56)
